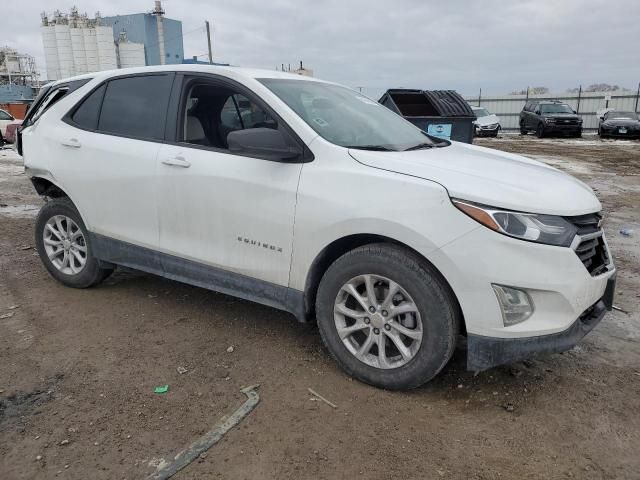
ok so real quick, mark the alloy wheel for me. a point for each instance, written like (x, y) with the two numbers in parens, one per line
(378, 321)
(65, 245)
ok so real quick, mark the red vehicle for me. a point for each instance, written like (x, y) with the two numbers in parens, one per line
(12, 131)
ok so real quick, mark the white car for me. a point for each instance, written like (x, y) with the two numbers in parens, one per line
(312, 198)
(5, 119)
(486, 124)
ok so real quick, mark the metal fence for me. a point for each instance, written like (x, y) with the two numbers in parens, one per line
(508, 107)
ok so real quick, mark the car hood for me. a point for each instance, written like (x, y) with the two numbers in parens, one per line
(490, 177)
(488, 120)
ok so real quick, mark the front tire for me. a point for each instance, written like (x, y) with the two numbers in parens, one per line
(64, 246)
(540, 130)
(387, 317)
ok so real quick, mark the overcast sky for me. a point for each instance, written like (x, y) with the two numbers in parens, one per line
(499, 45)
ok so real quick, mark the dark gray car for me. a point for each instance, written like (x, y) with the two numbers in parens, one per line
(550, 117)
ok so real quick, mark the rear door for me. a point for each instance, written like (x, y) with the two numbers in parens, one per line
(228, 211)
(108, 146)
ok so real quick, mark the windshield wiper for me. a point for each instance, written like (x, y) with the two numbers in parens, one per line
(376, 148)
(420, 146)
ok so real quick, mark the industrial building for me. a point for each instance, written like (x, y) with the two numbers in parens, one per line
(161, 36)
(18, 76)
(75, 44)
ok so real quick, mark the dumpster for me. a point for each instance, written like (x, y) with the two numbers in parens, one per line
(441, 113)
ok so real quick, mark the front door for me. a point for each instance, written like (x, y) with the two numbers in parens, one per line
(229, 212)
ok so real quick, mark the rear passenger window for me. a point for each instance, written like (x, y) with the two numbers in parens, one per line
(136, 106)
(86, 116)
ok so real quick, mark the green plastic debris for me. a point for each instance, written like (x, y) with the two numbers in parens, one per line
(161, 389)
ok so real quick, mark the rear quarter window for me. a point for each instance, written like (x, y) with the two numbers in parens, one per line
(49, 97)
(86, 115)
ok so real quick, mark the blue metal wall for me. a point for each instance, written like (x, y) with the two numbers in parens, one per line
(15, 93)
(142, 28)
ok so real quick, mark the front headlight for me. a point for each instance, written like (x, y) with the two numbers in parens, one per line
(547, 229)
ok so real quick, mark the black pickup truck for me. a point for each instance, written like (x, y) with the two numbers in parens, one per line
(550, 117)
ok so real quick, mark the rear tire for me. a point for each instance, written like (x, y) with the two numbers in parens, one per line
(540, 131)
(428, 334)
(64, 245)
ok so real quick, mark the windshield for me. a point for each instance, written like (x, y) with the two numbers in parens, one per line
(346, 118)
(481, 112)
(622, 116)
(555, 108)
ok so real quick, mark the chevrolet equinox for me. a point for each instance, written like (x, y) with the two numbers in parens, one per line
(309, 197)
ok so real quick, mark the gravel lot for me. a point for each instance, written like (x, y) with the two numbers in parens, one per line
(78, 370)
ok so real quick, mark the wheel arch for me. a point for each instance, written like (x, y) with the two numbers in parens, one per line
(47, 188)
(339, 247)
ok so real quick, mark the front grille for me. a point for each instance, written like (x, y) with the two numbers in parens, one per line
(592, 250)
(586, 224)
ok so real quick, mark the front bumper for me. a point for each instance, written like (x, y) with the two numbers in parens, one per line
(486, 352)
(562, 128)
(559, 284)
(487, 131)
(615, 132)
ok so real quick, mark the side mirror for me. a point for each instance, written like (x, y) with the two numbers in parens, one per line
(265, 143)
(537, 112)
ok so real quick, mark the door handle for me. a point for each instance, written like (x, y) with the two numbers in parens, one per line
(177, 161)
(72, 143)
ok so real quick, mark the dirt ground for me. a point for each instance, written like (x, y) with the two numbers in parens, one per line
(78, 369)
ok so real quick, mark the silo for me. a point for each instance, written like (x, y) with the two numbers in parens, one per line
(65, 54)
(77, 46)
(131, 54)
(106, 48)
(90, 49)
(50, 52)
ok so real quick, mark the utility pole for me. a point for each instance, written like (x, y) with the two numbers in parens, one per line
(206, 22)
(579, 97)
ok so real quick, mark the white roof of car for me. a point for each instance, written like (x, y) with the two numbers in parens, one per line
(231, 72)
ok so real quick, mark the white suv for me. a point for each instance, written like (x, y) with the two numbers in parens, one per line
(309, 197)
